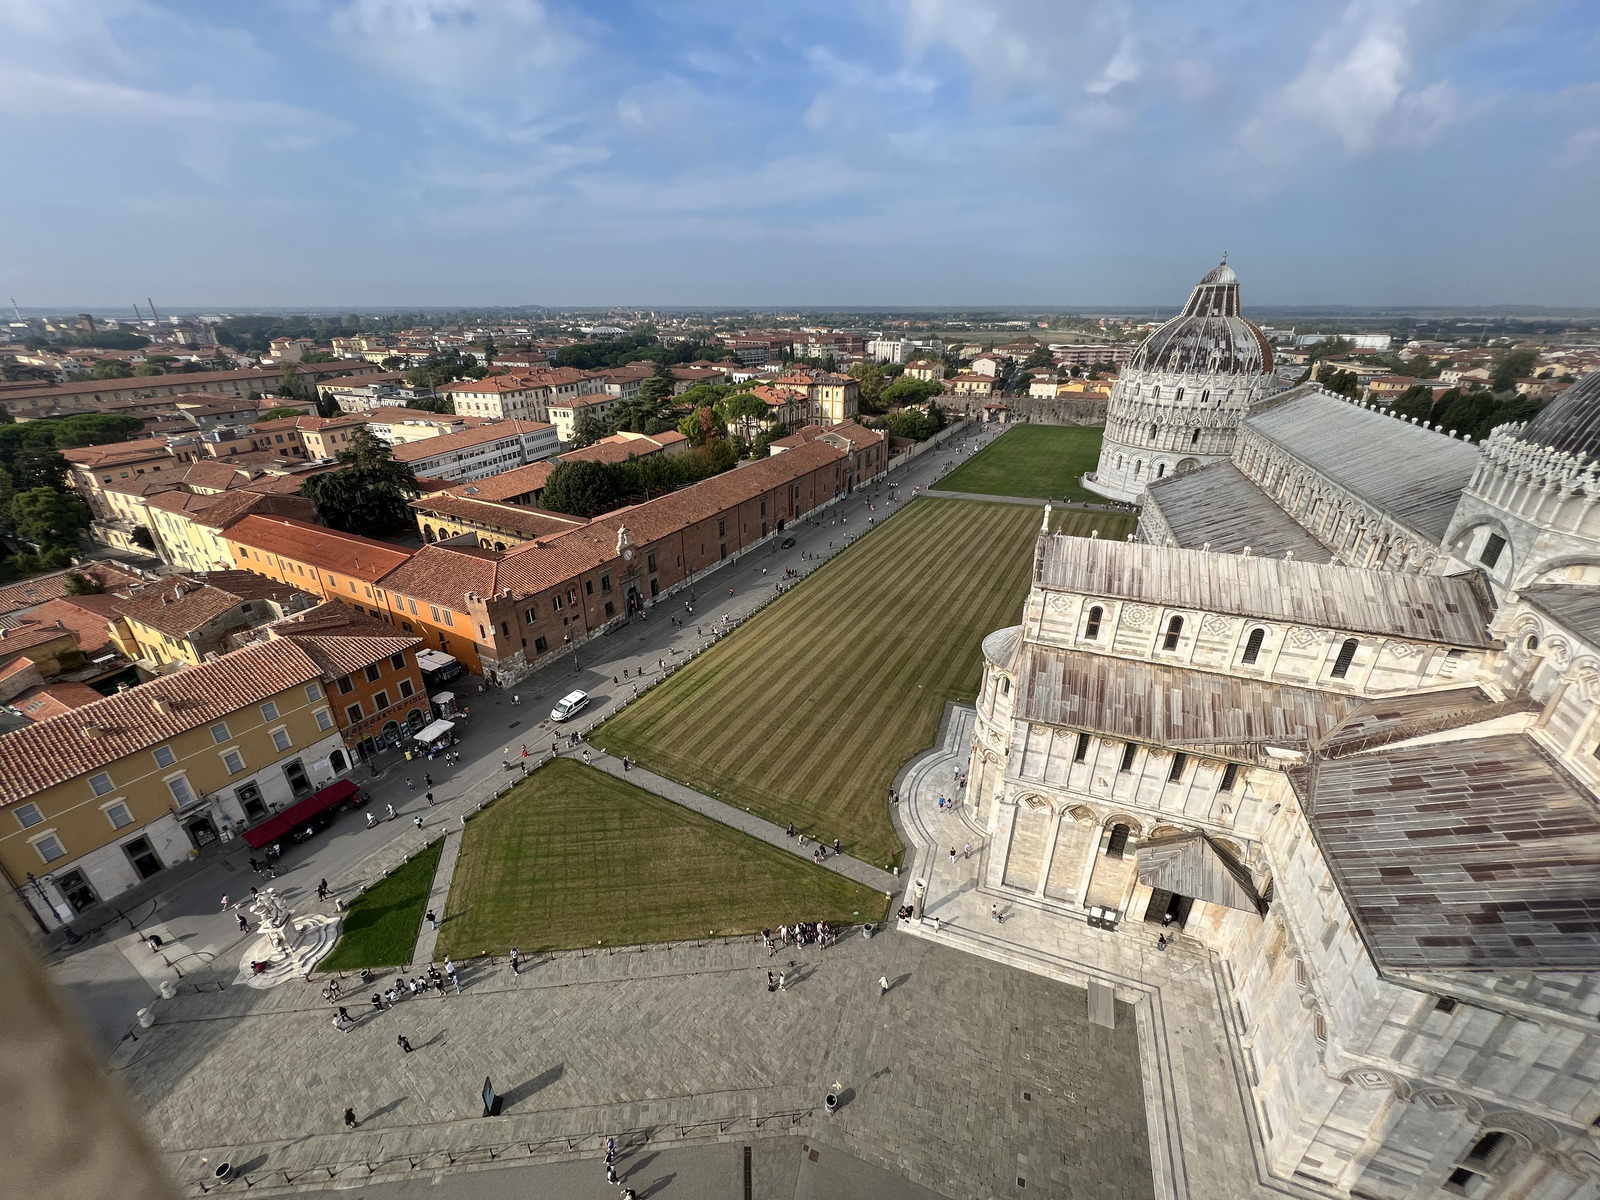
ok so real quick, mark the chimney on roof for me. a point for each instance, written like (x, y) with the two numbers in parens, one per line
(162, 705)
(93, 731)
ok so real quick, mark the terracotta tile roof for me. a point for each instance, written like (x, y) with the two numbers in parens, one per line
(96, 735)
(342, 640)
(536, 566)
(30, 592)
(89, 623)
(53, 699)
(301, 541)
(221, 511)
(444, 574)
(181, 604)
(515, 482)
(113, 454)
(493, 385)
(608, 451)
(558, 376)
(489, 431)
(515, 518)
(30, 634)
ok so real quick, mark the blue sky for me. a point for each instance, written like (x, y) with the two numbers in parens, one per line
(395, 152)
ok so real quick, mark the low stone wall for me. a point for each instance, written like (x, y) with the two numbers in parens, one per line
(1064, 411)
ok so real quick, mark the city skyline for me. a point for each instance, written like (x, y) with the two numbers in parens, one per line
(433, 153)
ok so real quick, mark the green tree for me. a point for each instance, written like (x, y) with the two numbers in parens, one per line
(657, 389)
(581, 488)
(111, 368)
(49, 517)
(281, 410)
(37, 467)
(1331, 347)
(912, 391)
(1513, 365)
(742, 410)
(8, 492)
(79, 584)
(370, 492)
(142, 536)
(701, 426)
(1040, 357)
(1415, 402)
(872, 380)
(489, 351)
(587, 429)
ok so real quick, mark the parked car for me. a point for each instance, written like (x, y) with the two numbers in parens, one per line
(569, 706)
(786, 544)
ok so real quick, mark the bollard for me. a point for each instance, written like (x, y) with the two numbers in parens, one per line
(146, 1018)
(168, 989)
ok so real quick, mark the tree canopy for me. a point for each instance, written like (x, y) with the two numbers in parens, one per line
(49, 517)
(912, 391)
(370, 492)
(587, 489)
(1512, 366)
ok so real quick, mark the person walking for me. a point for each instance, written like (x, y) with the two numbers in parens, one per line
(1161, 942)
(338, 1022)
(966, 850)
(611, 1174)
(430, 800)
(772, 982)
(427, 780)
(455, 976)
(781, 977)
(344, 1013)
(404, 1043)
(433, 921)
(411, 784)
(516, 961)
(625, 764)
(417, 821)
(322, 890)
(244, 926)
(224, 904)
(938, 925)
(952, 856)
(350, 1118)
(836, 845)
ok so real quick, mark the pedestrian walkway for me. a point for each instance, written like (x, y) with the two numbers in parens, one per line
(941, 494)
(1204, 1136)
(744, 822)
(437, 895)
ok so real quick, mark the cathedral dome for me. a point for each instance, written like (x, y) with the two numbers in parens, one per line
(1209, 336)
(1571, 422)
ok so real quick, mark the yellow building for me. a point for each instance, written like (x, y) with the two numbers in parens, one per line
(97, 800)
(495, 526)
(188, 527)
(178, 621)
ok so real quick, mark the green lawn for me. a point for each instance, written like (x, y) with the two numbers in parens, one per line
(808, 710)
(573, 857)
(1078, 523)
(380, 930)
(1041, 461)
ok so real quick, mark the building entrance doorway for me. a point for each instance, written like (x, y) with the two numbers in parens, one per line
(143, 857)
(76, 889)
(201, 830)
(249, 797)
(299, 781)
(1164, 904)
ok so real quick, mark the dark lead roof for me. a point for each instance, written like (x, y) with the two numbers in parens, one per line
(1209, 336)
(1570, 422)
(1478, 854)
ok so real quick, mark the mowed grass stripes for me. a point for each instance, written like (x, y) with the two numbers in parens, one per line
(808, 710)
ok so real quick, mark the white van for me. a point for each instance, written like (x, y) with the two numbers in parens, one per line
(569, 706)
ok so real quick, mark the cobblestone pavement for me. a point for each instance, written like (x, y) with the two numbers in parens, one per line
(1204, 1138)
(965, 1077)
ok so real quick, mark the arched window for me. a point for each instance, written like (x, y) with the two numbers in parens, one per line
(1194, 438)
(1154, 429)
(1179, 396)
(1174, 629)
(1252, 644)
(1205, 395)
(1091, 627)
(1532, 643)
(1161, 470)
(1138, 467)
(1155, 392)
(1118, 841)
(1347, 653)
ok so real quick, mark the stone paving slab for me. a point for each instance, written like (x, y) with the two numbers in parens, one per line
(1204, 1136)
(438, 893)
(744, 822)
(963, 1067)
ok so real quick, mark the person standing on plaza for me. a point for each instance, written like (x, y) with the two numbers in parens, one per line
(781, 977)
(952, 856)
(772, 982)
(433, 921)
(455, 976)
(349, 1118)
(404, 1043)
(966, 850)
(338, 1022)
(883, 986)
(322, 890)
(516, 961)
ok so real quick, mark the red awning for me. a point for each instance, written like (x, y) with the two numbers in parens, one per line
(299, 814)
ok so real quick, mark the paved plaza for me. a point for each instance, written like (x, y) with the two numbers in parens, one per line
(1204, 1139)
(966, 1077)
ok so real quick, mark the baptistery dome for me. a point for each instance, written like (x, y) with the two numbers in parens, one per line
(1177, 404)
(1569, 423)
(1209, 335)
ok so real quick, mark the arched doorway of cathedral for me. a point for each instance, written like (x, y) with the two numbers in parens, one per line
(1187, 465)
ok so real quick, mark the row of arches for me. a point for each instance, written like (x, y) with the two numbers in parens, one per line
(429, 534)
(1094, 618)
